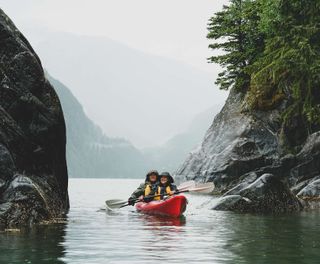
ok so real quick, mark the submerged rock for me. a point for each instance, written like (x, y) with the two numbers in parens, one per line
(33, 172)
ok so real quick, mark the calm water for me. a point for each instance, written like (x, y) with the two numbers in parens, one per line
(202, 236)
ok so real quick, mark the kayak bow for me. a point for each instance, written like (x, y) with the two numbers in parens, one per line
(173, 206)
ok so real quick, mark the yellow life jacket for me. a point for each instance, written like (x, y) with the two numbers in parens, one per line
(148, 189)
(158, 192)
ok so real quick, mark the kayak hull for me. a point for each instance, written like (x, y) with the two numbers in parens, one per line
(174, 206)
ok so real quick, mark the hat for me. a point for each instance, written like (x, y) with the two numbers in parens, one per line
(167, 174)
(152, 172)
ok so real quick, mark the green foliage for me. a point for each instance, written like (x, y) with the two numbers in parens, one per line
(269, 16)
(290, 64)
(238, 41)
(271, 48)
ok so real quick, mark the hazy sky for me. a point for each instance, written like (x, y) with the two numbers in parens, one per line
(170, 28)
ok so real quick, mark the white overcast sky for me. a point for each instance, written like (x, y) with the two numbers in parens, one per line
(174, 29)
(171, 28)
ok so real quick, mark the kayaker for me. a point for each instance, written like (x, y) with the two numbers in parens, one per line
(165, 186)
(146, 190)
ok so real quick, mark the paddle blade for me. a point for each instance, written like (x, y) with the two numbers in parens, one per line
(115, 204)
(204, 188)
(186, 185)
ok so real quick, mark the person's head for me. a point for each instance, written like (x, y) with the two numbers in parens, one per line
(166, 178)
(152, 176)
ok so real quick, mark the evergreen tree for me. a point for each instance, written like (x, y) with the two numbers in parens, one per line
(238, 41)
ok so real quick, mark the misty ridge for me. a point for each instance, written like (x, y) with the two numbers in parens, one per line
(91, 152)
(107, 70)
(144, 98)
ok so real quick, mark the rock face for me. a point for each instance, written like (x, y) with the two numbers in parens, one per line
(236, 144)
(241, 147)
(33, 171)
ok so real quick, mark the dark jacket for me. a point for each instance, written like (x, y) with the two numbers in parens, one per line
(140, 190)
(147, 185)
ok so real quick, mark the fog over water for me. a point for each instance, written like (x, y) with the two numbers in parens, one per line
(147, 77)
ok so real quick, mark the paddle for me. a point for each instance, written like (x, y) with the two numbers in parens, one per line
(186, 185)
(117, 203)
(204, 188)
(207, 187)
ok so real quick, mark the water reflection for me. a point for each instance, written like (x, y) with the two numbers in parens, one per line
(288, 239)
(125, 236)
(160, 221)
(163, 236)
(42, 244)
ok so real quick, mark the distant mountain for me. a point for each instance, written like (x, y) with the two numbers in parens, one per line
(129, 93)
(90, 153)
(170, 155)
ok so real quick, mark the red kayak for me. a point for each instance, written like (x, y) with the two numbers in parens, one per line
(173, 206)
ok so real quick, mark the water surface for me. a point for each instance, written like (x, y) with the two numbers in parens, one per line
(125, 236)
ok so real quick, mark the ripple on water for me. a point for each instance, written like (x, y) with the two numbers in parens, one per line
(125, 236)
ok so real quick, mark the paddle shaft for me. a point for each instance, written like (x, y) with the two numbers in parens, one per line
(158, 195)
(116, 205)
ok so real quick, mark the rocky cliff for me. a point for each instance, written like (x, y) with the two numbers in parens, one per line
(256, 164)
(33, 171)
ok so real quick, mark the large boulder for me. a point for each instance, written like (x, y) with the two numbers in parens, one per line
(311, 191)
(267, 194)
(232, 203)
(33, 171)
(307, 165)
